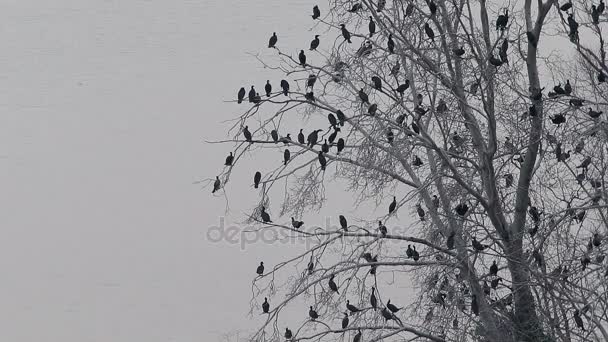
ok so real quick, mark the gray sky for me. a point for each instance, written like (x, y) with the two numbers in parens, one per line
(105, 105)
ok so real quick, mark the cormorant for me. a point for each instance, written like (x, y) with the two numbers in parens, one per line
(325, 147)
(286, 139)
(392, 307)
(373, 300)
(567, 88)
(377, 83)
(371, 26)
(302, 58)
(429, 31)
(585, 163)
(296, 224)
(345, 321)
(477, 245)
(310, 82)
(343, 222)
(417, 162)
(340, 145)
(268, 88)
(322, 161)
(558, 119)
(332, 284)
(415, 254)
(333, 135)
(313, 137)
(595, 15)
(288, 334)
(241, 95)
(351, 307)
(577, 103)
(578, 320)
(390, 44)
(597, 240)
(420, 212)
(393, 205)
(256, 179)
(345, 33)
(363, 96)
(341, 117)
(382, 228)
(494, 282)
(594, 114)
(286, 156)
(403, 87)
(565, 7)
(252, 94)
(502, 21)
(301, 137)
(409, 252)
(265, 305)
(216, 184)
(458, 51)
(316, 13)
(313, 314)
(371, 110)
(260, 269)
(395, 69)
(275, 136)
(310, 96)
(285, 86)
(265, 216)
(461, 209)
(314, 44)
(356, 7)
(273, 40)
(357, 337)
(435, 201)
(229, 159)
(494, 268)
(387, 314)
(495, 61)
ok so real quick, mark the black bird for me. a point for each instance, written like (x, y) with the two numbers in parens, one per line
(495, 61)
(477, 245)
(382, 228)
(265, 216)
(345, 33)
(558, 119)
(594, 114)
(268, 88)
(313, 314)
(595, 15)
(461, 209)
(573, 25)
(450, 240)
(442, 107)
(355, 8)
(275, 136)
(265, 305)
(417, 161)
(260, 269)
(285, 86)
(296, 224)
(494, 282)
(415, 254)
(273, 40)
(363, 96)
(313, 137)
(334, 135)
(429, 31)
(403, 87)
(368, 257)
(565, 7)
(377, 83)
(597, 240)
(409, 9)
(373, 300)
(371, 110)
(345, 321)
(302, 58)
(387, 314)
(332, 284)
(559, 90)
(316, 13)
(459, 51)
(391, 44)
(311, 266)
(351, 307)
(325, 147)
(578, 320)
(585, 163)
(332, 120)
(322, 161)
(601, 7)
(395, 69)
(257, 98)
(312, 78)
(357, 337)
(577, 103)
(286, 139)
(393, 205)
(371, 26)
(301, 137)
(251, 94)
(502, 53)
(286, 156)
(420, 212)
(502, 21)
(216, 184)
(494, 268)
(601, 77)
(409, 252)
(474, 305)
(432, 7)
(343, 222)
(256, 179)
(567, 88)
(247, 134)
(310, 96)
(341, 117)
(340, 145)
(314, 44)
(288, 334)
(392, 307)
(241, 95)
(229, 159)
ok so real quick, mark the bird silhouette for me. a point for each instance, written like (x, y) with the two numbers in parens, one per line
(345, 33)
(288, 334)
(390, 44)
(393, 205)
(273, 40)
(494, 268)
(458, 51)
(392, 307)
(332, 284)
(387, 314)
(241, 95)
(302, 58)
(502, 21)
(325, 147)
(382, 228)
(251, 94)
(429, 31)
(313, 137)
(268, 88)
(373, 300)
(322, 160)
(247, 134)
(314, 44)
(265, 216)
(285, 87)
(274, 135)
(377, 83)
(260, 269)
(341, 117)
(345, 321)
(296, 224)
(265, 305)
(286, 156)
(316, 13)
(351, 307)
(343, 222)
(363, 96)
(216, 184)
(371, 26)
(313, 314)
(420, 212)
(340, 145)
(357, 337)
(462, 209)
(256, 179)
(229, 160)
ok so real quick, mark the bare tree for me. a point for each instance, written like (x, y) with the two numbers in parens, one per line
(493, 143)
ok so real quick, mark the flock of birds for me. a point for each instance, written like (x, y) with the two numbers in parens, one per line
(337, 120)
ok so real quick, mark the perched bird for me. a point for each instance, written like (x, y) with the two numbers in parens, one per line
(247, 134)
(382, 228)
(432, 6)
(429, 31)
(314, 44)
(597, 240)
(409, 252)
(577, 103)
(585, 163)
(273, 40)
(565, 7)
(260, 269)
(296, 224)
(256, 179)
(458, 51)
(461, 209)
(403, 87)
(268, 88)
(567, 88)
(415, 254)
(310, 96)
(285, 87)
(325, 147)
(356, 7)
(392, 307)
(494, 268)
(345, 321)
(322, 160)
(377, 83)
(216, 184)
(265, 305)
(340, 145)
(387, 314)
(502, 21)
(357, 337)
(286, 139)
(351, 307)
(371, 26)
(312, 78)
(594, 114)
(345, 33)
(251, 94)
(274, 135)
(391, 44)
(558, 119)
(343, 223)
(578, 320)
(229, 159)
(373, 300)
(495, 61)
(417, 161)
(313, 314)
(477, 245)
(313, 137)
(332, 284)
(363, 96)
(316, 13)
(502, 53)
(393, 205)
(371, 110)
(265, 216)
(241, 95)
(286, 156)
(494, 282)
(302, 58)
(341, 117)
(301, 137)
(288, 334)
(420, 212)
